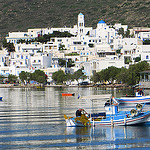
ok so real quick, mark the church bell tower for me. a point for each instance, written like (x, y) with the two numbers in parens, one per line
(80, 24)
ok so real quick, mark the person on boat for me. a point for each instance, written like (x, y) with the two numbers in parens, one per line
(80, 112)
(140, 92)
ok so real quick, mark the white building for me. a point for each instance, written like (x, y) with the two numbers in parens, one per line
(15, 37)
(144, 36)
(94, 48)
(98, 64)
(145, 52)
(117, 26)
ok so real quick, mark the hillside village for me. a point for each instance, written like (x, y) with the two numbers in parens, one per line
(93, 49)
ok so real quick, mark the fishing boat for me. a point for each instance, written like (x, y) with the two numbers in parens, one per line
(130, 100)
(1, 98)
(138, 98)
(110, 117)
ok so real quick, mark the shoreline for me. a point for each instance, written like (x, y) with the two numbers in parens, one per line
(64, 86)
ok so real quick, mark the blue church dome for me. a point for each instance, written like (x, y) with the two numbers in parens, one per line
(101, 21)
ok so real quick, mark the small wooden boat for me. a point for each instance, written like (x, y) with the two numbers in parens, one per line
(68, 94)
(111, 116)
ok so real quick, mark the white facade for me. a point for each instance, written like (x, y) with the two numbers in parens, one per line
(144, 36)
(99, 64)
(95, 49)
(145, 52)
(117, 26)
(14, 37)
(103, 33)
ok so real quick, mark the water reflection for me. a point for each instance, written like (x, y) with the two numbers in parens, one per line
(33, 118)
(109, 137)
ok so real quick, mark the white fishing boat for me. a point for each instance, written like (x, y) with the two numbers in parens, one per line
(138, 98)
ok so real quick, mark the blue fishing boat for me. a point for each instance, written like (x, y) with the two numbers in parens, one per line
(111, 117)
(1, 98)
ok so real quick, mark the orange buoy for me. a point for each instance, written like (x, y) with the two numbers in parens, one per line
(68, 94)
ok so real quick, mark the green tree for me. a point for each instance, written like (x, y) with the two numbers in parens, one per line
(62, 47)
(61, 62)
(121, 31)
(96, 77)
(12, 78)
(39, 76)
(59, 77)
(9, 46)
(113, 71)
(122, 75)
(131, 76)
(78, 74)
(70, 63)
(127, 60)
(1, 78)
(137, 59)
(23, 76)
(127, 34)
(4, 43)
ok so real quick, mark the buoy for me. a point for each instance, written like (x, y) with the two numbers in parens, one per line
(68, 94)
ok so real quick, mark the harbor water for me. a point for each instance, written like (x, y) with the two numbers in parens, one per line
(34, 119)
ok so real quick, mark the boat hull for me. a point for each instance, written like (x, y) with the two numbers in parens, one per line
(114, 120)
(142, 99)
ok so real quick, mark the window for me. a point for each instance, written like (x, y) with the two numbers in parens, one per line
(147, 57)
(21, 56)
(39, 60)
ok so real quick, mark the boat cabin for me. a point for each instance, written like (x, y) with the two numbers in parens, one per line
(111, 110)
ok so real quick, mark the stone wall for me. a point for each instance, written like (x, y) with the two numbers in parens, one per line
(145, 84)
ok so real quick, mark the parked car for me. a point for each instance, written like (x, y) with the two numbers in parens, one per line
(84, 83)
